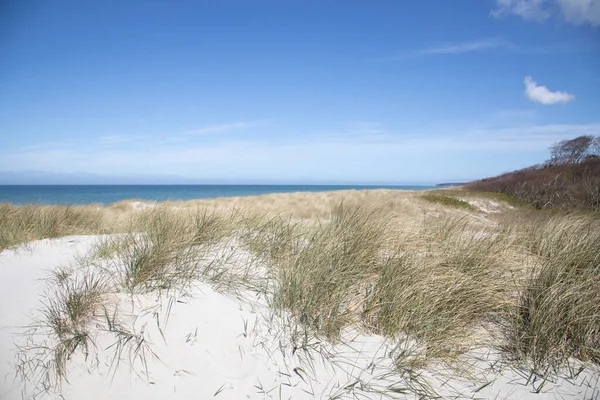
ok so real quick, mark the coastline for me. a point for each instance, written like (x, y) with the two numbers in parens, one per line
(107, 194)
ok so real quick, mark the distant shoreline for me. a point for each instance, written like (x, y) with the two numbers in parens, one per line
(107, 194)
(451, 184)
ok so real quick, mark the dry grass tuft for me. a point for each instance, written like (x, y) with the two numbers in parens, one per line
(442, 289)
(558, 316)
(21, 224)
(318, 278)
(72, 303)
(164, 247)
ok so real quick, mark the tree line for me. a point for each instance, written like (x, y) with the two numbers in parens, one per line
(569, 179)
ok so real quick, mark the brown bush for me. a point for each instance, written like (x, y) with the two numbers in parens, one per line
(550, 186)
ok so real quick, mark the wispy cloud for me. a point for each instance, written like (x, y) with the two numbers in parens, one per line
(366, 127)
(535, 10)
(483, 45)
(58, 144)
(543, 95)
(464, 47)
(450, 48)
(516, 114)
(114, 139)
(576, 12)
(119, 139)
(228, 127)
(575, 47)
(395, 156)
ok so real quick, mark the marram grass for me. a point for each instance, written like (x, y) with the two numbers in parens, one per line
(527, 279)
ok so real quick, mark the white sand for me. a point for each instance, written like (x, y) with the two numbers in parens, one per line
(218, 346)
(488, 207)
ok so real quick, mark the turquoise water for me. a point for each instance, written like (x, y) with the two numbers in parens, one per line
(106, 194)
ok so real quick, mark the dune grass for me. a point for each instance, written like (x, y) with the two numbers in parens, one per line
(21, 224)
(161, 251)
(442, 293)
(65, 325)
(164, 248)
(558, 315)
(322, 277)
(445, 282)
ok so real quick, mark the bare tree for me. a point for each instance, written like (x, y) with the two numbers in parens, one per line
(572, 151)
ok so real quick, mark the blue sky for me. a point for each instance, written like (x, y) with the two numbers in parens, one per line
(292, 91)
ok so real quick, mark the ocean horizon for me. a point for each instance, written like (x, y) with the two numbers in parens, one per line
(107, 194)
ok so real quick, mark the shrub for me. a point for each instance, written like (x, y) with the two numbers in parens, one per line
(550, 186)
(448, 201)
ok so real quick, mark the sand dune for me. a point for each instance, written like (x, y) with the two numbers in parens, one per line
(211, 341)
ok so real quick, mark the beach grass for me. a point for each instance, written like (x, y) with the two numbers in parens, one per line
(321, 276)
(71, 302)
(446, 279)
(21, 224)
(558, 315)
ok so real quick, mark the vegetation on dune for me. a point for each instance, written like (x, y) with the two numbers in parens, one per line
(317, 280)
(447, 201)
(558, 314)
(527, 278)
(505, 198)
(569, 179)
(162, 251)
(67, 315)
(21, 224)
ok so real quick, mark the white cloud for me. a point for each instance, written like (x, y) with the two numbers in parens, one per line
(543, 95)
(576, 12)
(581, 11)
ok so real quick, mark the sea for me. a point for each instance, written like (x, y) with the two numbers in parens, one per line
(106, 194)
